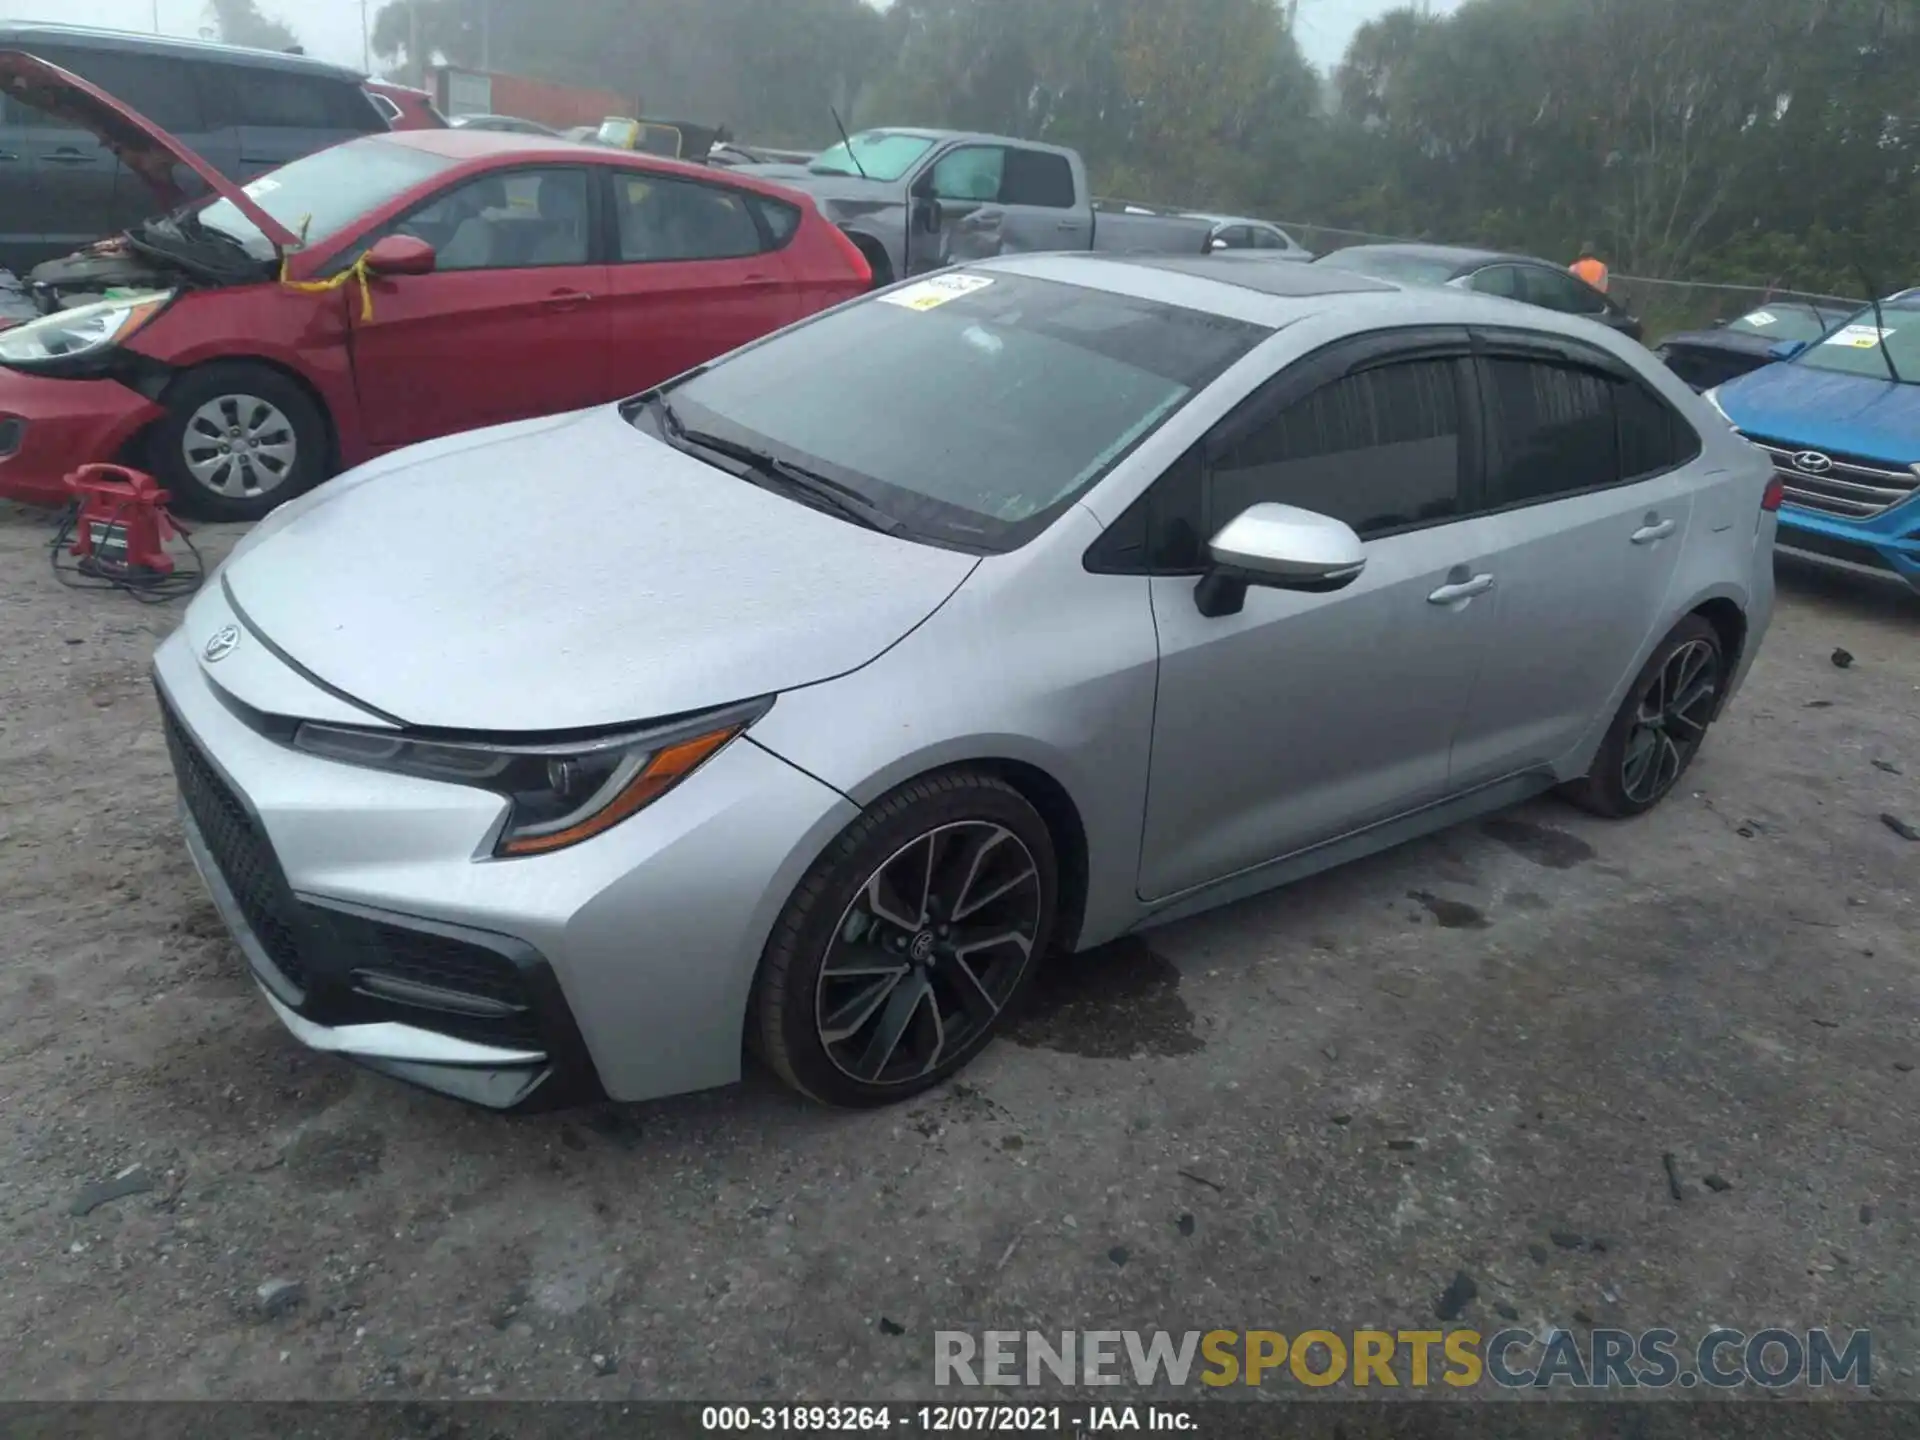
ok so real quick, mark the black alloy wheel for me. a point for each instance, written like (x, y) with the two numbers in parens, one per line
(908, 943)
(1660, 727)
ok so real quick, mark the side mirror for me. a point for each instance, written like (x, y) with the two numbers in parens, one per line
(1219, 244)
(400, 255)
(1785, 349)
(1283, 548)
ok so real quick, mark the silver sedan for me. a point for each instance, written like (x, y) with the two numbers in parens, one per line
(808, 703)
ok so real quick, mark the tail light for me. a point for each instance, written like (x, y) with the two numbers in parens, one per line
(854, 255)
(1776, 491)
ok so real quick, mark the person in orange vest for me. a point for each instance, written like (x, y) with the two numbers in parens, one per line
(1591, 268)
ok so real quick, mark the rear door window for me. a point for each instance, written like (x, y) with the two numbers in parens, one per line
(1552, 430)
(1037, 177)
(662, 218)
(1654, 437)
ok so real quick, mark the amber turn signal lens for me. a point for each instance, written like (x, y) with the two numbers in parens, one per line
(668, 767)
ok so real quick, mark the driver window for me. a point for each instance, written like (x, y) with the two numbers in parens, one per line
(523, 219)
(1380, 450)
(970, 174)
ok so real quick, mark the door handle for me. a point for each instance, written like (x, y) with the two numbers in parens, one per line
(8, 155)
(1461, 590)
(1647, 534)
(567, 300)
(69, 157)
(1070, 225)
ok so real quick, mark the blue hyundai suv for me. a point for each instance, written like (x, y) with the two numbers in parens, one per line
(1841, 419)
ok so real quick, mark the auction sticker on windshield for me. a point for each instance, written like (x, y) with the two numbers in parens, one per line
(1859, 337)
(936, 290)
(1763, 317)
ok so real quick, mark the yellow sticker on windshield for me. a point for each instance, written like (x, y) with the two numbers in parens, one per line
(1859, 337)
(936, 290)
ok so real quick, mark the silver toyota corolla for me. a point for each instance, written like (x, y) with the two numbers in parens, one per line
(812, 700)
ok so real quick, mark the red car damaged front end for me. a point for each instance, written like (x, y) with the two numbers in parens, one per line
(48, 427)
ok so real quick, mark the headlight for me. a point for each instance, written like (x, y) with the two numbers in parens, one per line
(559, 794)
(83, 331)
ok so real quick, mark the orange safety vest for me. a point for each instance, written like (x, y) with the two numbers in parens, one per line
(1593, 271)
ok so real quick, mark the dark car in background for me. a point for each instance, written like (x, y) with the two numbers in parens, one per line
(244, 111)
(1525, 278)
(1710, 357)
(503, 125)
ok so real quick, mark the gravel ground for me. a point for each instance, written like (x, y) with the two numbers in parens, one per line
(1312, 1109)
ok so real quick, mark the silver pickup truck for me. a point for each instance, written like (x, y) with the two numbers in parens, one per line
(918, 200)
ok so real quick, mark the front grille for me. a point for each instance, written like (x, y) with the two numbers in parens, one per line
(241, 852)
(12, 431)
(1855, 489)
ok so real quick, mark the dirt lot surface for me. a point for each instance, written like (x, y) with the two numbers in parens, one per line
(1313, 1109)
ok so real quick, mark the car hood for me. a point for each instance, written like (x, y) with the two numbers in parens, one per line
(1805, 408)
(143, 147)
(569, 574)
(1734, 342)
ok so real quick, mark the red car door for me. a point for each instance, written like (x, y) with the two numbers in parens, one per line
(512, 323)
(697, 272)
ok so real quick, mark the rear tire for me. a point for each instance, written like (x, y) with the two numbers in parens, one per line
(877, 262)
(238, 439)
(1660, 726)
(908, 942)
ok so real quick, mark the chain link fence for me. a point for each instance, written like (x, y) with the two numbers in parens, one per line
(1664, 306)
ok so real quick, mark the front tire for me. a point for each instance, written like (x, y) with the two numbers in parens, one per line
(1660, 726)
(907, 943)
(238, 439)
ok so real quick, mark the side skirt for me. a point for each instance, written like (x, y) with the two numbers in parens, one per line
(1356, 845)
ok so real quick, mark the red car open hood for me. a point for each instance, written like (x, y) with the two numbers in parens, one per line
(142, 146)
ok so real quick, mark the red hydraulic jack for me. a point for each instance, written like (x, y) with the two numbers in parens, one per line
(122, 529)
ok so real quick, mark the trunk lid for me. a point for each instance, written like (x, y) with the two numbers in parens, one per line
(143, 147)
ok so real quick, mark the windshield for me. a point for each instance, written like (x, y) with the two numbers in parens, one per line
(323, 193)
(882, 155)
(1387, 265)
(1856, 347)
(970, 407)
(1783, 321)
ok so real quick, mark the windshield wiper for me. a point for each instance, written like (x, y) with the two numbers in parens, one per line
(843, 500)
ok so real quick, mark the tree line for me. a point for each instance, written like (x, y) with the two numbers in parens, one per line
(1764, 142)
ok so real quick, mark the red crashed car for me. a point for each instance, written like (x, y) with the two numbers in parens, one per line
(382, 292)
(404, 107)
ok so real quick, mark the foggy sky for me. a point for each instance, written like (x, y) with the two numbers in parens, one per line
(331, 28)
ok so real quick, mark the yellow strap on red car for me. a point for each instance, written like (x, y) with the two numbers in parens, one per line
(356, 271)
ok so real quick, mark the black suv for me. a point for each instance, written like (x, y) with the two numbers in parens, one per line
(244, 111)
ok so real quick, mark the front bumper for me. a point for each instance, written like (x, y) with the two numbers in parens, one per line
(49, 427)
(377, 928)
(1887, 543)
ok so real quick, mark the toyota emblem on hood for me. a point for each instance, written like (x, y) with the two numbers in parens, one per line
(1813, 462)
(221, 644)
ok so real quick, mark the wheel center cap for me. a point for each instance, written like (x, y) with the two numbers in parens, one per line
(921, 951)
